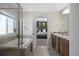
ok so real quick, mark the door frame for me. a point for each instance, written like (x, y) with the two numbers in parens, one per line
(47, 26)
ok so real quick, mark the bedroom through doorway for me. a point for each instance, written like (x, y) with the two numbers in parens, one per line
(41, 30)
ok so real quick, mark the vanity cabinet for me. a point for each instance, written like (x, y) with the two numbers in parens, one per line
(61, 45)
(53, 41)
(66, 47)
(57, 44)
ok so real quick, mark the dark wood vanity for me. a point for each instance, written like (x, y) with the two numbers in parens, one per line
(60, 44)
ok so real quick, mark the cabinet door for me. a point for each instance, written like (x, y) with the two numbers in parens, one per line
(67, 48)
(52, 40)
(57, 44)
(61, 46)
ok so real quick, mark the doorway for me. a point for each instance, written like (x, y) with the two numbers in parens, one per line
(41, 30)
(40, 36)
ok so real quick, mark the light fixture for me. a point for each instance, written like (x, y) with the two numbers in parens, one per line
(66, 11)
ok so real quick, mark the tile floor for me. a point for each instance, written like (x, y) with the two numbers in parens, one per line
(41, 41)
(43, 50)
(53, 52)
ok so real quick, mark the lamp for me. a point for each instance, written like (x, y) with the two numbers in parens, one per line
(66, 11)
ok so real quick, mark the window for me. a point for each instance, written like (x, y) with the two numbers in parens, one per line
(7, 24)
(10, 25)
(2, 24)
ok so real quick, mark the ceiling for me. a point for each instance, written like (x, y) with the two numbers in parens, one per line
(43, 7)
(8, 5)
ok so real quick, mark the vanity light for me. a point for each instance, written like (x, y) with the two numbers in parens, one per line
(66, 11)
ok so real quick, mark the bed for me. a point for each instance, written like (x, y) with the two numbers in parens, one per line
(42, 35)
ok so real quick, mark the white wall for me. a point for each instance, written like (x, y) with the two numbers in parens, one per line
(74, 29)
(53, 25)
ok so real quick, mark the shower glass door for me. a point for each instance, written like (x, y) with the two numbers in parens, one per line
(11, 31)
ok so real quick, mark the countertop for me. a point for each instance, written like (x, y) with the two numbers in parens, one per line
(62, 35)
(14, 43)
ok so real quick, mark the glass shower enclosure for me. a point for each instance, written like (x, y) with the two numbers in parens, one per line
(11, 29)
